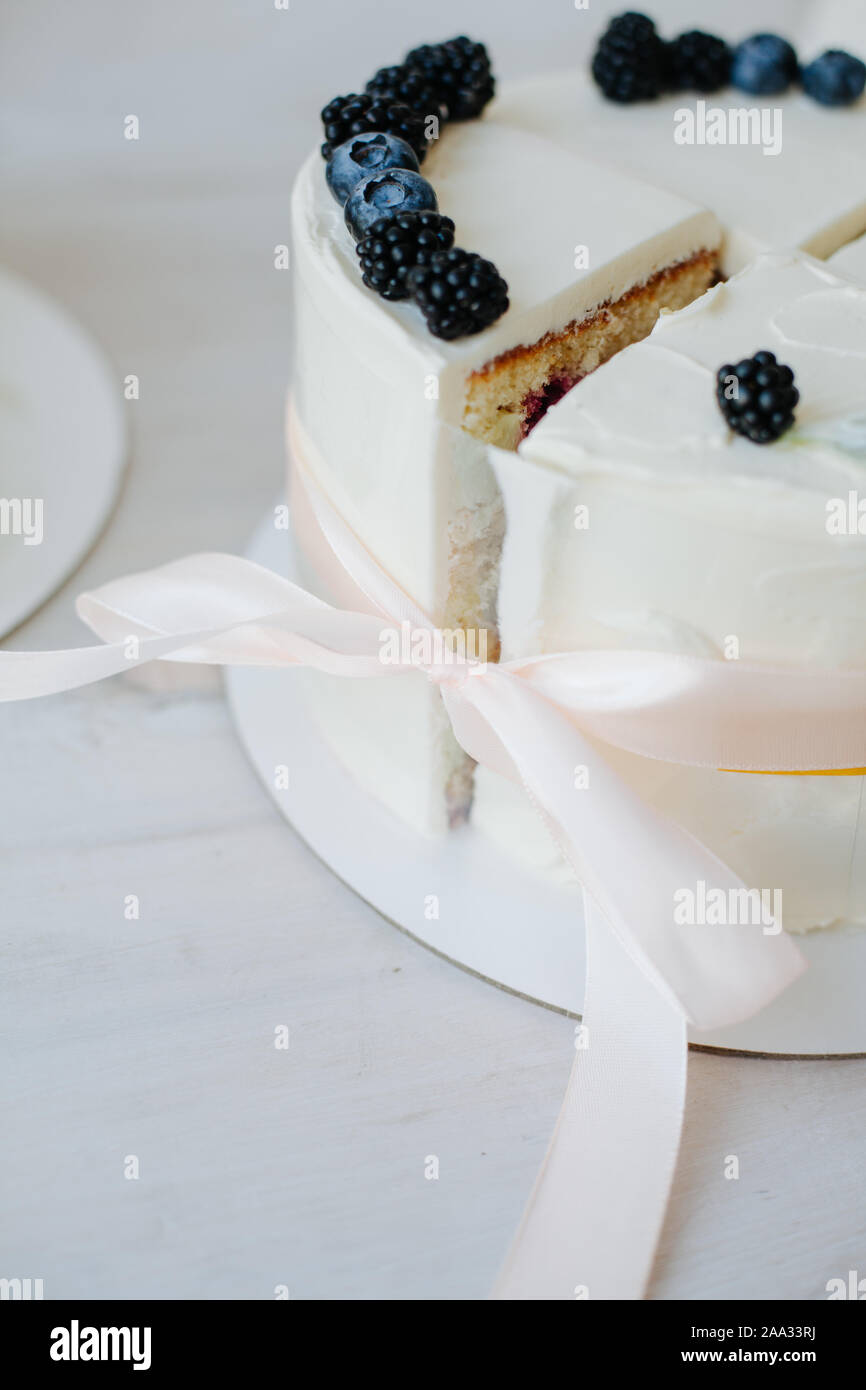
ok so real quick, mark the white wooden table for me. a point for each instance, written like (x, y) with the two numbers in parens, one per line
(155, 1037)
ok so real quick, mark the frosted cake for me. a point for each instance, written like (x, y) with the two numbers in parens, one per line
(460, 463)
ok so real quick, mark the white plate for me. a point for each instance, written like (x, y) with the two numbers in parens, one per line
(498, 918)
(62, 440)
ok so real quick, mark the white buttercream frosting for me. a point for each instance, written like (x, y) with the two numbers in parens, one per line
(810, 195)
(652, 410)
(851, 260)
(688, 520)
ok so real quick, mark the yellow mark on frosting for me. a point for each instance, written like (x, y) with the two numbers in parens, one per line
(813, 772)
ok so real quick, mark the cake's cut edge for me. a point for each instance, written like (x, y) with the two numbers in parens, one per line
(508, 395)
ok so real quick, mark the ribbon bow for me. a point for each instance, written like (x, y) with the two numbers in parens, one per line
(593, 1220)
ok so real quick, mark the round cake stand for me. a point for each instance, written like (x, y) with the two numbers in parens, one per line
(62, 442)
(495, 918)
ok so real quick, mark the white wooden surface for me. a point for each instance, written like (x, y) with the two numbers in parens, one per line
(155, 1037)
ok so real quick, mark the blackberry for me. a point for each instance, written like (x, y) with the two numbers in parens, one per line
(459, 71)
(629, 63)
(356, 115)
(697, 62)
(395, 245)
(410, 86)
(458, 292)
(757, 397)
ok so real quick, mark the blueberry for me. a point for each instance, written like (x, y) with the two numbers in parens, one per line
(835, 79)
(764, 65)
(363, 155)
(378, 195)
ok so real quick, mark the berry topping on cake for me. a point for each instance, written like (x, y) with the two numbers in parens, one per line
(757, 397)
(363, 155)
(835, 79)
(697, 62)
(629, 63)
(458, 293)
(357, 115)
(764, 65)
(395, 245)
(536, 404)
(410, 86)
(459, 71)
(383, 195)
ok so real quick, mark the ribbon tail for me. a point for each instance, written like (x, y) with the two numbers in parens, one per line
(213, 609)
(634, 862)
(593, 1220)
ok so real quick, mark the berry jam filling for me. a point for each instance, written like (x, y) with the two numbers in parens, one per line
(537, 403)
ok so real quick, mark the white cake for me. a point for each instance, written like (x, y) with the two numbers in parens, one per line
(696, 536)
(697, 541)
(379, 404)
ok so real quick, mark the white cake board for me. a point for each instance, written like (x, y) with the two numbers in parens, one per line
(62, 439)
(497, 918)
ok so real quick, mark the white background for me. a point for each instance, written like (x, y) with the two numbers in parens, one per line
(156, 1037)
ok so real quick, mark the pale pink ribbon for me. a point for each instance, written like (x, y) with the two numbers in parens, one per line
(593, 1221)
